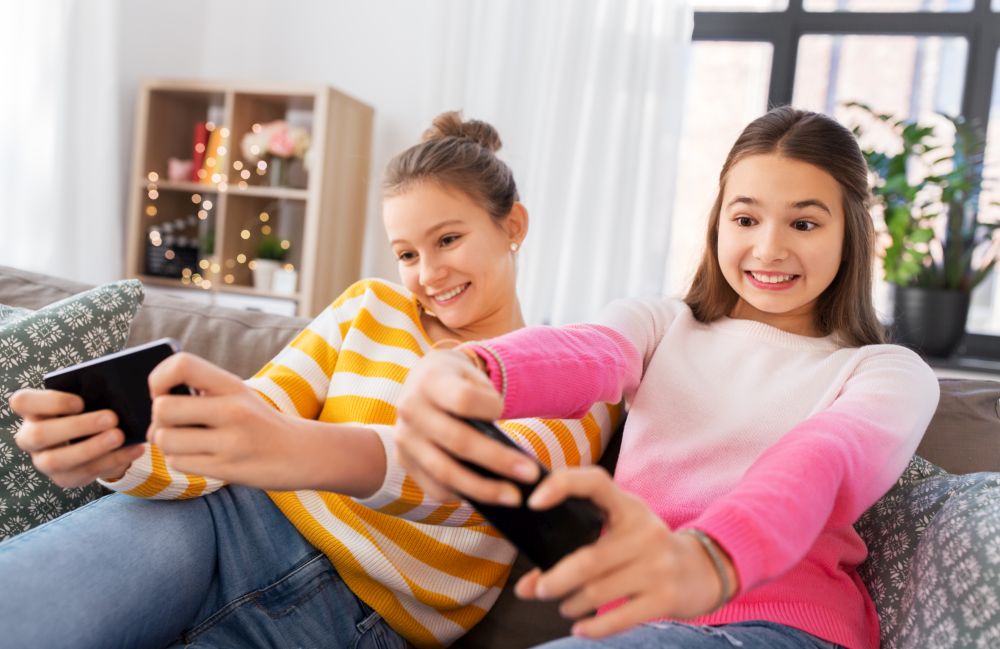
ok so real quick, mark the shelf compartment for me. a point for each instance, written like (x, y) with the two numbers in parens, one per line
(175, 114)
(178, 230)
(251, 110)
(249, 219)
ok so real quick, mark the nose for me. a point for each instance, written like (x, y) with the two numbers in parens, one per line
(770, 245)
(431, 271)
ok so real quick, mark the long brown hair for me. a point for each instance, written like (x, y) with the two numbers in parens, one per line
(845, 307)
(458, 154)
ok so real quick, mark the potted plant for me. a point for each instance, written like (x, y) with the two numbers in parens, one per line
(939, 245)
(269, 254)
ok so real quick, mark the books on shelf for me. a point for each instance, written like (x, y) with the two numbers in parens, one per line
(198, 155)
(213, 165)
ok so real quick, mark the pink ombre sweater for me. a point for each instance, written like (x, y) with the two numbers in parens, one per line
(771, 443)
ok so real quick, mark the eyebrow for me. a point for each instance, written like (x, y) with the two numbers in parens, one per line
(432, 230)
(809, 202)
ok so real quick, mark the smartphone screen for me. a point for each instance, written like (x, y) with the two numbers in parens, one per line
(118, 382)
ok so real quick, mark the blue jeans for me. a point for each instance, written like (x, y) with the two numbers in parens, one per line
(224, 570)
(674, 635)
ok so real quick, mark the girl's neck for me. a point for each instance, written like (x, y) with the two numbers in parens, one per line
(801, 322)
(491, 326)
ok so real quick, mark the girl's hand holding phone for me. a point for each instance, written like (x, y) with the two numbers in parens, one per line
(52, 419)
(445, 385)
(657, 572)
(226, 432)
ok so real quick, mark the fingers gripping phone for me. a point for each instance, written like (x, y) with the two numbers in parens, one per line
(118, 382)
(544, 536)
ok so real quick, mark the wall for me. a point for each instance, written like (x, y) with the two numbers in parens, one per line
(387, 53)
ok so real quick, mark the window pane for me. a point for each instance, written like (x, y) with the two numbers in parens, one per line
(739, 5)
(915, 75)
(915, 78)
(932, 6)
(984, 311)
(726, 89)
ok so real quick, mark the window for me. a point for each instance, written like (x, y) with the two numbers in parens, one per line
(888, 6)
(727, 88)
(909, 57)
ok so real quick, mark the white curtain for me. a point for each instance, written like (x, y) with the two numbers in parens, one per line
(60, 140)
(587, 96)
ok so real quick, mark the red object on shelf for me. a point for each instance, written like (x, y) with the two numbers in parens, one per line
(200, 145)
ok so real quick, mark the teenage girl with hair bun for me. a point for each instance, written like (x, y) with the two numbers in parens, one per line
(344, 550)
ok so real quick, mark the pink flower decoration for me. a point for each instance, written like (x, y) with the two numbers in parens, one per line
(280, 143)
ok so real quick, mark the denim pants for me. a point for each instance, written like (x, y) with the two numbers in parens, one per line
(675, 635)
(224, 570)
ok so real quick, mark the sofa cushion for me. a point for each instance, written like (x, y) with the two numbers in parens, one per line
(70, 331)
(8, 313)
(22, 288)
(240, 341)
(934, 559)
(964, 435)
(953, 600)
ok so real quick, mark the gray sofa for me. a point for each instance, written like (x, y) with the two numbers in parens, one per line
(964, 436)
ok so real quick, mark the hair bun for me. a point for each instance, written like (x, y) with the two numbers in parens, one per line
(451, 124)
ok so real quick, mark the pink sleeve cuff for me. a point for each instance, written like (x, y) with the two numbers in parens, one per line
(560, 372)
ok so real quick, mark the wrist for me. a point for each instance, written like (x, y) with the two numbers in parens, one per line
(721, 563)
(342, 458)
(114, 475)
(477, 361)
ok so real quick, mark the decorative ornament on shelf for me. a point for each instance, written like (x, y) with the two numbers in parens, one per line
(179, 170)
(279, 150)
(270, 253)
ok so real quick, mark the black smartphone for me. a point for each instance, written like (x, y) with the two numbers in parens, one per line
(544, 536)
(118, 382)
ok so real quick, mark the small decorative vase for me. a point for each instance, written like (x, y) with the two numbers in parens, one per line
(277, 171)
(284, 281)
(263, 273)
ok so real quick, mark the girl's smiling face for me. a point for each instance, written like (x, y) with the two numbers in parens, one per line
(456, 259)
(781, 239)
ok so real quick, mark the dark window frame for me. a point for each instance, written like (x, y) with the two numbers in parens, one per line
(980, 26)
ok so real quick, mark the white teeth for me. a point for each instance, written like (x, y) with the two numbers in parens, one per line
(443, 297)
(772, 279)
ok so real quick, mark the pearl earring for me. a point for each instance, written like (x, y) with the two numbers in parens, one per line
(514, 246)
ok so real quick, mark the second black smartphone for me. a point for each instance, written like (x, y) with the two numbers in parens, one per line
(544, 536)
(118, 382)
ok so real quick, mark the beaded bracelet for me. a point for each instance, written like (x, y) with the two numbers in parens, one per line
(720, 567)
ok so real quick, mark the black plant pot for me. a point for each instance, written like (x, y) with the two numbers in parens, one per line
(930, 321)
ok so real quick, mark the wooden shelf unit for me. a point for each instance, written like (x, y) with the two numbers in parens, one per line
(219, 221)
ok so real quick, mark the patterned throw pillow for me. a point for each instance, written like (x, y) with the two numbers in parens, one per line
(934, 559)
(8, 313)
(78, 328)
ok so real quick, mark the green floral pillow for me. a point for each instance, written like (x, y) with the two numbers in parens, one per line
(9, 313)
(933, 567)
(76, 329)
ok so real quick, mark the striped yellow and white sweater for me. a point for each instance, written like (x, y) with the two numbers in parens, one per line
(432, 570)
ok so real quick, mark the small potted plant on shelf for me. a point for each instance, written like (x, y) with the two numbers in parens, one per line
(269, 254)
(938, 244)
(283, 149)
